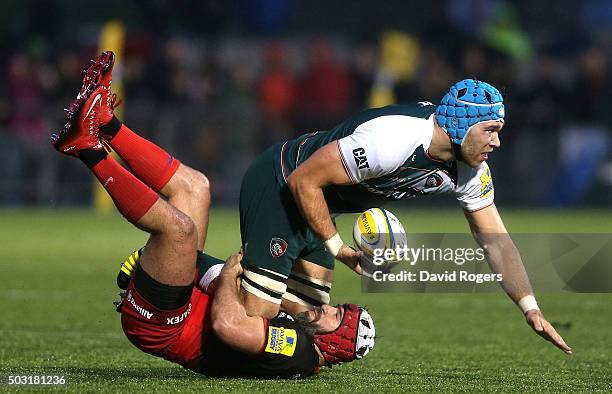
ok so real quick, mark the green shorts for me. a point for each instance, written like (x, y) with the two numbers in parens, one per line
(274, 233)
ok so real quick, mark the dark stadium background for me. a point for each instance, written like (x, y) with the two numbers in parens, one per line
(215, 82)
(218, 81)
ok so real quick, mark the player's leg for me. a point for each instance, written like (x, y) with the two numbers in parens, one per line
(173, 234)
(271, 242)
(189, 191)
(188, 194)
(308, 286)
(275, 237)
(310, 281)
(170, 253)
(185, 188)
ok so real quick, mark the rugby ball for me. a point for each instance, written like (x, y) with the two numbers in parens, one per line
(379, 233)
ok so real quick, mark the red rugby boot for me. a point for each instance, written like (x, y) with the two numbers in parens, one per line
(109, 99)
(99, 73)
(81, 130)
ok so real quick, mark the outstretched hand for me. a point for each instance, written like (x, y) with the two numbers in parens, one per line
(543, 328)
(351, 258)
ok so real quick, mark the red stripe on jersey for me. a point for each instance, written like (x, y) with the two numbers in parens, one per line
(283, 161)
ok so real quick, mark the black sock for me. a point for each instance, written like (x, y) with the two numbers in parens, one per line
(111, 129)
(92, 157)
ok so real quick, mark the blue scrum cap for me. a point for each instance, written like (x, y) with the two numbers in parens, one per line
(467, 103)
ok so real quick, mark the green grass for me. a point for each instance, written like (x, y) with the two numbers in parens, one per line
(58, 270)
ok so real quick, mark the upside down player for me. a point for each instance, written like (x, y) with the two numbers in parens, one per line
(164, 313)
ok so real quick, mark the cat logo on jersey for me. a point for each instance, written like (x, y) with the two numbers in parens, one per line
(487, 183)
(281, 340)
(360, 158)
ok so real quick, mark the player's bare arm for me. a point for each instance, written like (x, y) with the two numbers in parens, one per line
(229, 317)
(323, 168)
(504, 258)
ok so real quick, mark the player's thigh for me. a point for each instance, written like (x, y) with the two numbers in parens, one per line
(268, 259)
(189, 191)
(308, 286)
(169, 256)
(271, 228)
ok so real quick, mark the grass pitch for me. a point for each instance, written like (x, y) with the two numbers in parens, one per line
(58, 270)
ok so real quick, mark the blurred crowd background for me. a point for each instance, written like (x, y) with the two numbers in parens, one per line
(215, 82)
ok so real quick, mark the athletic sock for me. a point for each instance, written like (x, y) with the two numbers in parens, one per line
(208, 269)
(153, 165)
(131, 197)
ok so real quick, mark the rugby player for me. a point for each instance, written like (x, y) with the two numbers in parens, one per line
(165, 311)
(291, 191)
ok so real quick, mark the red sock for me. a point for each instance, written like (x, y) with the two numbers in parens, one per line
(131, 197)
(153, 165)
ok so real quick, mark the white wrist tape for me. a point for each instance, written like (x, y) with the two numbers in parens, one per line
(334, 244)
(211, 274)
(528, 303)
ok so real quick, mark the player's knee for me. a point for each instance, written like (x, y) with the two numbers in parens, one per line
(201, 187)
(183, 230)
(197, 185)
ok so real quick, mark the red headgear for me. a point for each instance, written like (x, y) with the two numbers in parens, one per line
(353, 338)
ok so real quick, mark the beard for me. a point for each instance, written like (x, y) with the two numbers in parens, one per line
(309, 327)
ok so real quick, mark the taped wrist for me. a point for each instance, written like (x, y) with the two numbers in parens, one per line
(528, 303)
(334, 244)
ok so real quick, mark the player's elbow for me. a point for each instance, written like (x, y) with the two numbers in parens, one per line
(300, 182)
(294, 182)
(225, 328)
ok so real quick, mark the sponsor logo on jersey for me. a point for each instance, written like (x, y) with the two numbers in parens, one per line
(487, 183)
(281, 340)
(278, 247)
(434, 180)
(360, 158)
(177, 319)
(142, 311)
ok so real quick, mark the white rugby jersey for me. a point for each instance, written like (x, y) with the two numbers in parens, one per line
(384, 152)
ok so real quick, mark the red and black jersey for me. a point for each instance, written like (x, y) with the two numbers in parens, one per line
(288, 353)
(184, 336)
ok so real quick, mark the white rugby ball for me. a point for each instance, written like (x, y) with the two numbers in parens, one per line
(376, 231)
